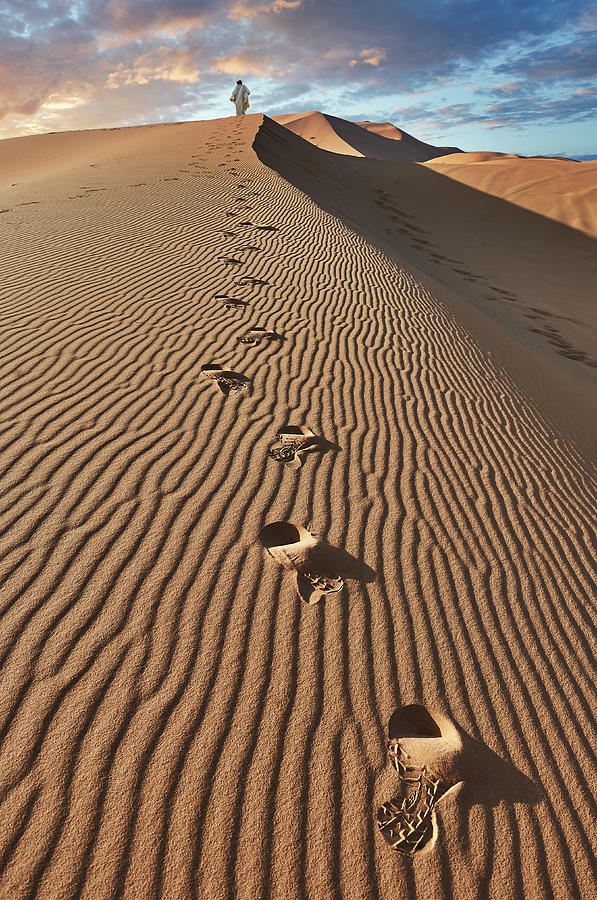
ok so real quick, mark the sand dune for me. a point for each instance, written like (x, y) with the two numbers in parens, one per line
(376, 140)
(176, 721)
(561, 189)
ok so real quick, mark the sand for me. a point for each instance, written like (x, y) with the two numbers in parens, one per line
(375, 140)
(176, 721)
(562, 189)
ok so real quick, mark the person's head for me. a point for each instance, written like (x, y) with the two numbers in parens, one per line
(239, 81)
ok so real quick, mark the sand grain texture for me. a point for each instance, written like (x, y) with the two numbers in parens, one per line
(175, 721)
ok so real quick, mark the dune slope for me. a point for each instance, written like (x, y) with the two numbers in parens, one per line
(176, 722)
(561, 189)
(376, 140)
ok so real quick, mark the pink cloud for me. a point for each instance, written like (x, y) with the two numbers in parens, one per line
(245, 9)
(508, 87)
(372, 57)
(165, 65)
(126, 19)
(588, 21)
(252, 64)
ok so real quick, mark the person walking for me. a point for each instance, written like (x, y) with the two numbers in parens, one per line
(240, 97)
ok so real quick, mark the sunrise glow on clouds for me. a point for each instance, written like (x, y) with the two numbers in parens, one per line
(506, 76)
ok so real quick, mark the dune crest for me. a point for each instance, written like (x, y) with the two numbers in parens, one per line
(373, 140)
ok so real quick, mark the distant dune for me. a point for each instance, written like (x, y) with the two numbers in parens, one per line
(291, 440)
(561, 189)
(375, 140)
(558, 188)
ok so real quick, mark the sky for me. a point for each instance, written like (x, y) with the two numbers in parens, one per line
(516, 76)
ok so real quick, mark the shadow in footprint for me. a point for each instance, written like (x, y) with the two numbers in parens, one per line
(231, 302)
(318, 568)
(228, 381)
(294, 441)
(429, 754)
(256, 282)
(258, 335)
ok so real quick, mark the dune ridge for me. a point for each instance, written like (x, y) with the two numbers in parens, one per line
(175, 722)
(375, 140)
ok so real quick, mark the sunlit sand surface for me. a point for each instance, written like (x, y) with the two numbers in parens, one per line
(176, 720)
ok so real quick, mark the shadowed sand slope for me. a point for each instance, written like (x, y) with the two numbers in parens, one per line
(176, 721)
(515, 277)
(561, 189)
(375, 140)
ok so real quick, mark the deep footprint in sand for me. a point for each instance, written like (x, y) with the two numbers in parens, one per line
(257, 335)
(310, 560)
(229, 382)
(425, 749)
(231, 302)
(230, 261)
(294, 442)
(256, 282)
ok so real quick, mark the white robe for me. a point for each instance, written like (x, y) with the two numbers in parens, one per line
(240, 97)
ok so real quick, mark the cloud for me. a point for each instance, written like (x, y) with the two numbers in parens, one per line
(131, 17)
(165, 65)
(250, 63)
(136, 60)
(506, 89)
(516, 111)
(248, 10)
(62, 101)
(371, 57)
(556, 62)
(588, 20)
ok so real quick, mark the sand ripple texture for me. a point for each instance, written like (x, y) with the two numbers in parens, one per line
(175, 722)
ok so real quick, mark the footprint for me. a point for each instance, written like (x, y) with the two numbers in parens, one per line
(295, 440)
(256, 335)
(425, 749)
(265, 227)
(256, 282)
(310, 560)
(231, 302)
(229, 382)
(230, 261)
